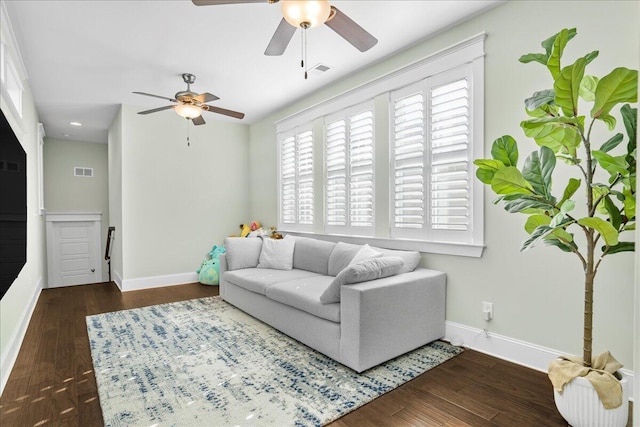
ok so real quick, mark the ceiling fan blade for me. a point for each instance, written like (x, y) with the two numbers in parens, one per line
(350, 31)
(155, 110)
(198, 121)
(156, 96)
(205, 97)
(280, 39)
(223, 111)
(214, 2)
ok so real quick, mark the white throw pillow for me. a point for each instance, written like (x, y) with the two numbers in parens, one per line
(277, 254)
(365, 253)
(369, 269)
(242, 252)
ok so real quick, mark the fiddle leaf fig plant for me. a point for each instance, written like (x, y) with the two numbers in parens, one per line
(561, 120)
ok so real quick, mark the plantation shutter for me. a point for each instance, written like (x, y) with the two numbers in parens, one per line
(296, 180)
(408, 151)
(449, 158)
(430, 159)
(349, 160)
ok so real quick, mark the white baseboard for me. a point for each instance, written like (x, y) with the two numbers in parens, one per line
(158, 281)
(117, 279)
(9, 356)
(513, 350)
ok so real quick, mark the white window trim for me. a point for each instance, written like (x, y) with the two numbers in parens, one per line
(41, 135)
(469, 51)
(12, 69)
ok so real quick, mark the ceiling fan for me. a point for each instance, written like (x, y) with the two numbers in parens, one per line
(307, 14)
(190, 104)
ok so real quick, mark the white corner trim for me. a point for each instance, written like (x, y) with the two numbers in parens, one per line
(9, 356)
(513, 350)
(117, 279)
(157, 281)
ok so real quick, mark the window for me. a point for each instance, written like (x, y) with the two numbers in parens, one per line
(349, 162)
(393, 158)
(431, 162)
(296, 179)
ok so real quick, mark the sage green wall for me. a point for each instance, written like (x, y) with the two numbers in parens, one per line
(16, 302)
(537, 295)
(64, 192)
(178, 200)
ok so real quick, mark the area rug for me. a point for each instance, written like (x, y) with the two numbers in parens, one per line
(204, 362)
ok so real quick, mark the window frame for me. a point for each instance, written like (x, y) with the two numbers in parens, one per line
(470, 53)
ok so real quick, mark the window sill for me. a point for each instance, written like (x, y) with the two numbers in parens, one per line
(443, 248)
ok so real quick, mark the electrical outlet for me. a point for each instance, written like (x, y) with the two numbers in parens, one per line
(487, 310)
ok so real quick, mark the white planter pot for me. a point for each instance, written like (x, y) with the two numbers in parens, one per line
(580, 406)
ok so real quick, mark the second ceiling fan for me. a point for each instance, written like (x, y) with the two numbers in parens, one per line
(307, 14)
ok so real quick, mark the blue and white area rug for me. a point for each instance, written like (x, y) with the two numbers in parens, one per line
(204, 362)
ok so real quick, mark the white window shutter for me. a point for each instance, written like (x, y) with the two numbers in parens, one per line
(449, 109)
(296, 180)
(408, 151)
(349, 163)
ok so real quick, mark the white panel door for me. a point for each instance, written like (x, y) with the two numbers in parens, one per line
(73, 252)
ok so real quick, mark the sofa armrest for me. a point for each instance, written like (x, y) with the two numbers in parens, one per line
(222, 265)
(384, 318)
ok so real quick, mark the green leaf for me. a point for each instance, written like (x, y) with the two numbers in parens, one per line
(611, 143)
(620, 247)
(558, 133)
(505, 150)
(630, 119)
(560, 42)
(548, 43)
(538, 234)
(591, 56)
(570, 190)
(535, 221)
(566, 247)
(534, 57)
(588, 88)
(543, 97)
(561, 234)
(621, 85)
(609, 120)
(613, 165)
(599, 192)
(604, 228)
(509, 180)
(487, 169)
(567, 87)
(613, 211)
(538, 170)
(526, 203)
(629, 204)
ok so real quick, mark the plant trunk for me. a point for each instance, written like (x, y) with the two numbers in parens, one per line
(588, 316)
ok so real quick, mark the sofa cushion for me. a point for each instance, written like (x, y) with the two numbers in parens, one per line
(259, 279)
(304, 294)
(242, 252)
(341, 256)
(311, 254)
(363, 271)
(411, 258)
(277, 254)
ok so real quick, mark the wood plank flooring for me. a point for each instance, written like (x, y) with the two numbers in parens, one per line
(52, 382)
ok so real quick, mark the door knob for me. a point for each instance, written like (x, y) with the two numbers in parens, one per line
(93, 270)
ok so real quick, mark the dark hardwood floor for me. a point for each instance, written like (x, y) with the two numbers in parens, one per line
(52, 382)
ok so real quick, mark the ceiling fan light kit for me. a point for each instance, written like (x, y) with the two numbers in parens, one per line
(305, 14)
(188, 111)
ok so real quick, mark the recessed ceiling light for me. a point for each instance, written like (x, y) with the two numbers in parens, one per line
(75, 124)
(66, 135)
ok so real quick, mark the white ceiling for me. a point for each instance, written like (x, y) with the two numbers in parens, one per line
(84, 58)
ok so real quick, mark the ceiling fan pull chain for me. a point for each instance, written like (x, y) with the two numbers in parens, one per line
(188, 131)
(304, 52)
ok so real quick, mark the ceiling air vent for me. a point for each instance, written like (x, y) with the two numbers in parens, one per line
(85, 172)
(319, 69)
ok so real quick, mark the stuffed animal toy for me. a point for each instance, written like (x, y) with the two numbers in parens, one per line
(244, 230)
(209, 271)
(274, 234)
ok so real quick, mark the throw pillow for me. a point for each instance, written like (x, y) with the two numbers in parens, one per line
(341, 256)
(370, 269)
(365, 253)
(242, 252)
(277, 254)
(411, 258)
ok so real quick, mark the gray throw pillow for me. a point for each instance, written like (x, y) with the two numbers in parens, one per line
(341, 256)
(411, 258)
(277, 254)
(363, 271)
(242, 252)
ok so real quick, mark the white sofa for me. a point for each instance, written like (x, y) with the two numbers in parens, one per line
(373, 322)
